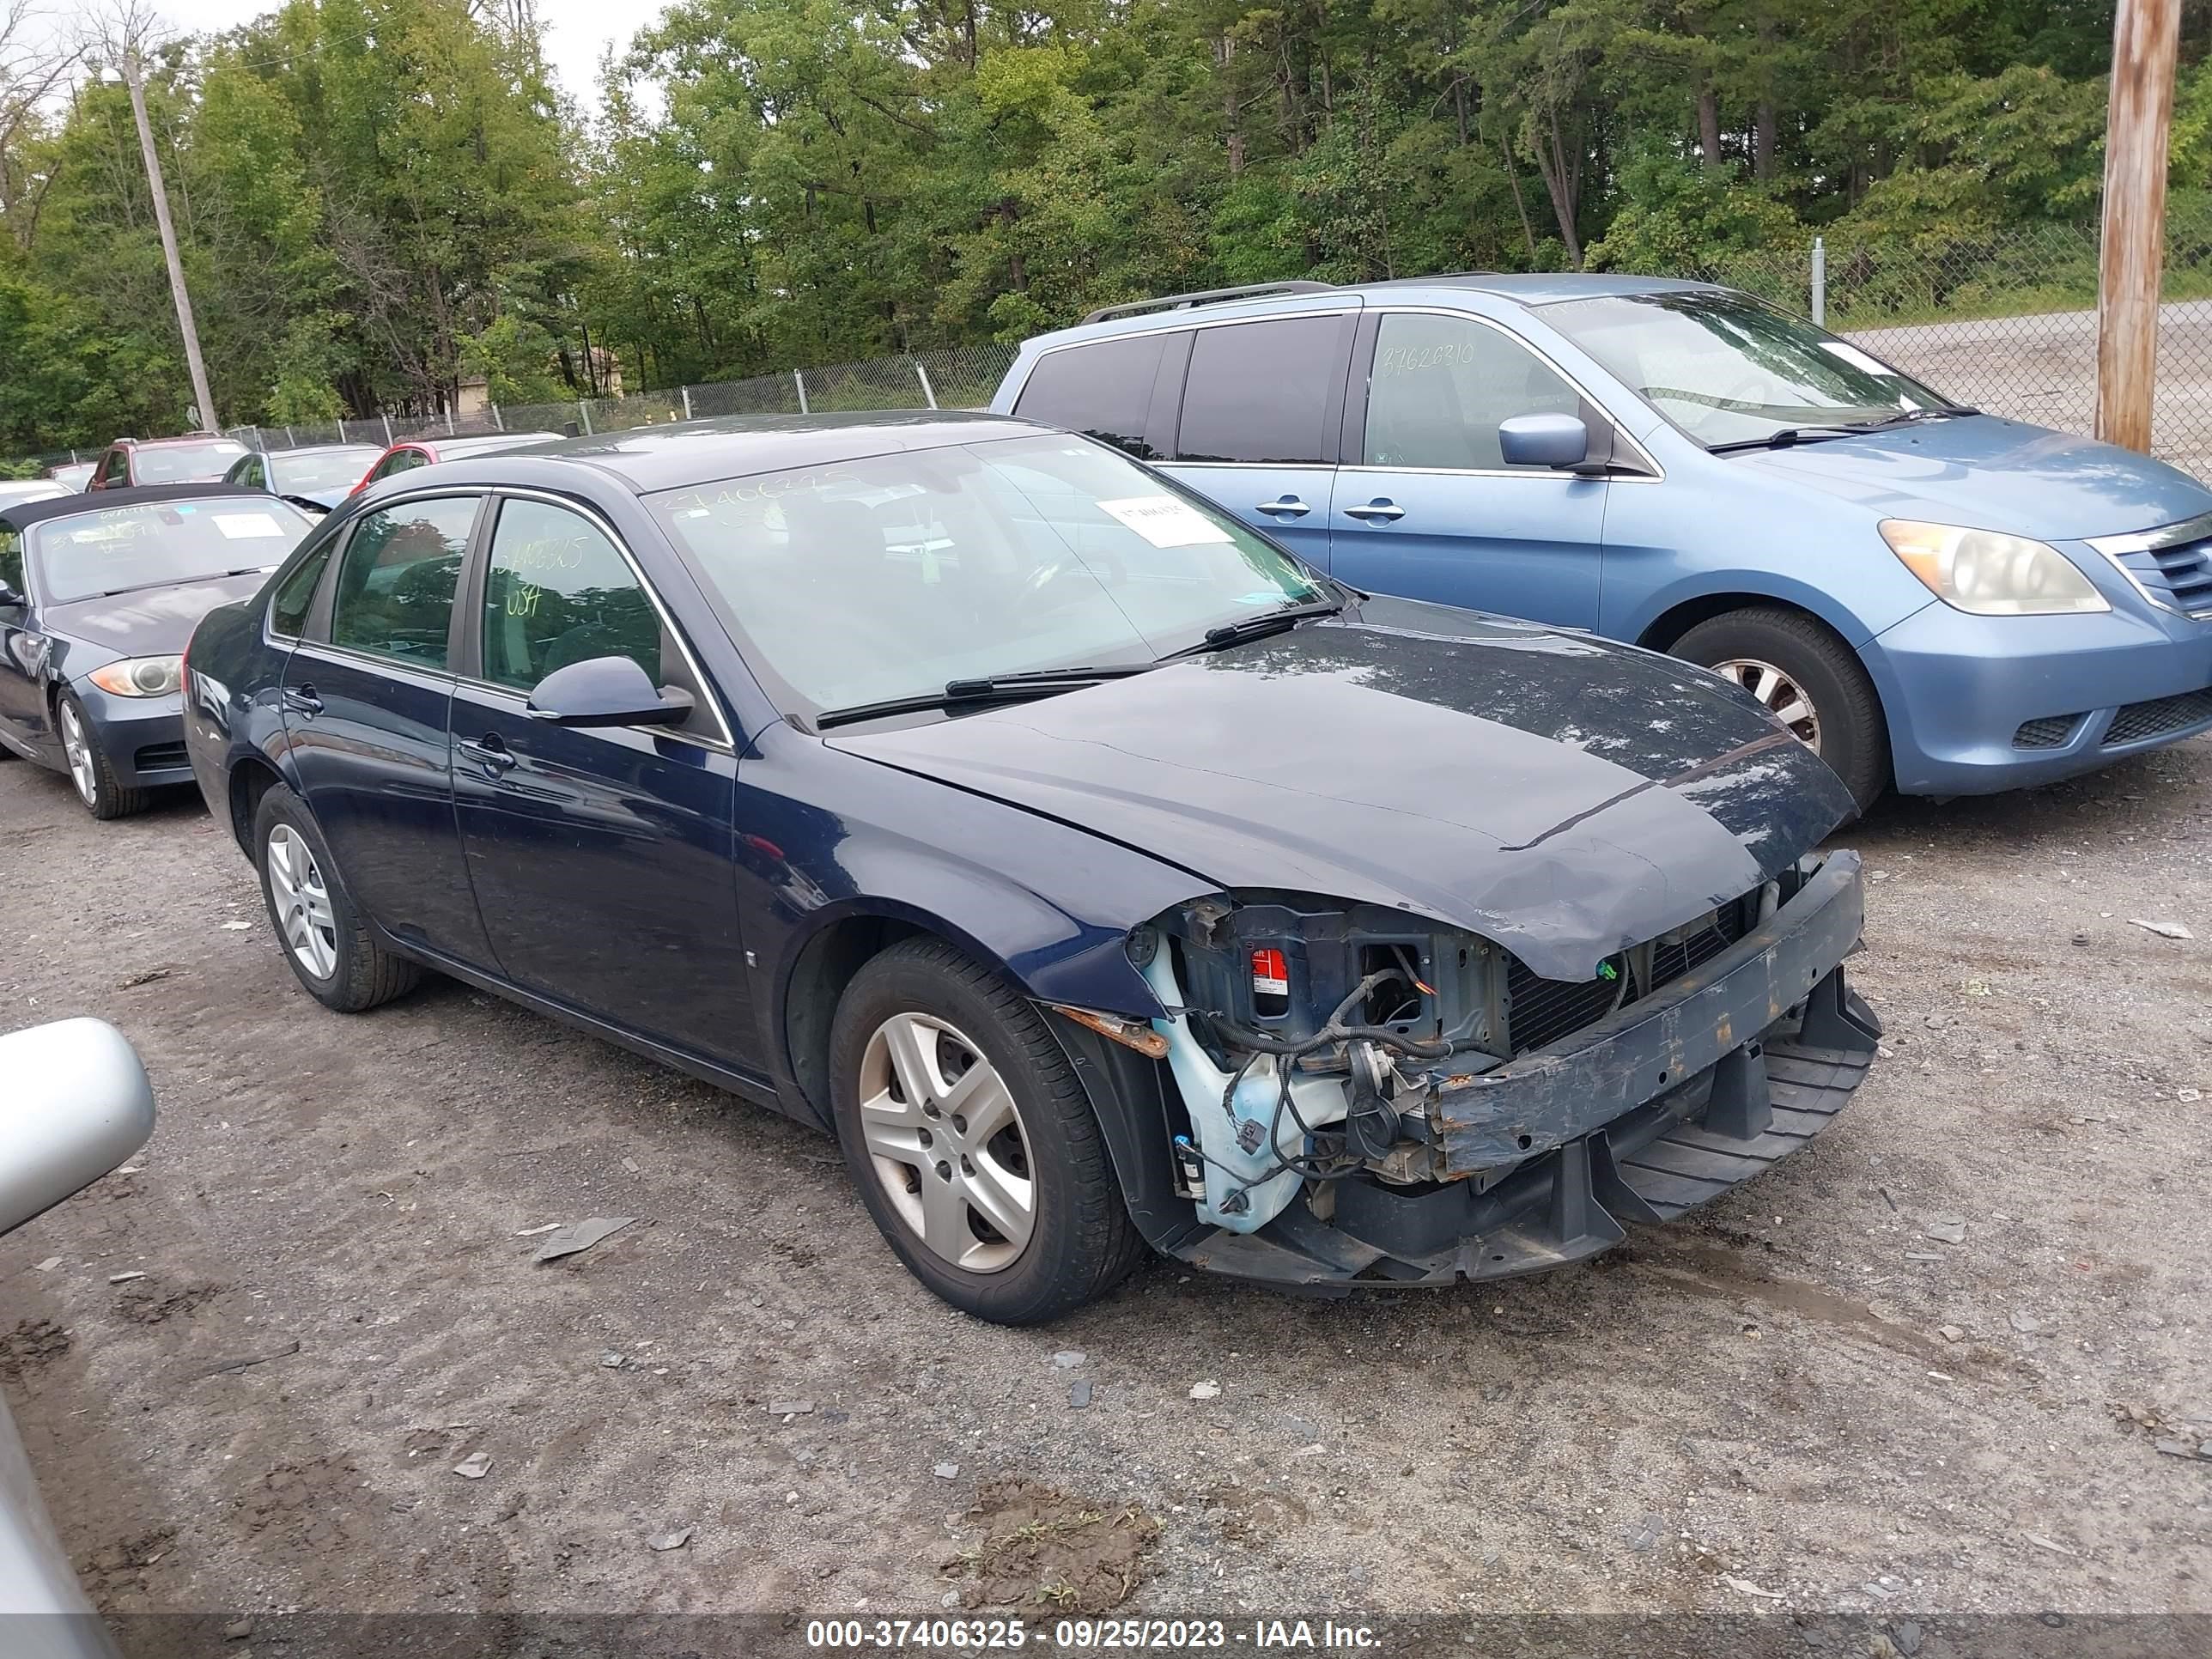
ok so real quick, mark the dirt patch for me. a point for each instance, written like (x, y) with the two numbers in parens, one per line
(118, 1570)
(1041, 1548)
(307, 1502)
(32, 1343)
(143, 1301)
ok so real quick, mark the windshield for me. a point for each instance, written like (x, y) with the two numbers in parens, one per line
(35, 489)
(334, 469)
(184, 463)
(160, 543)
(888, 577)
(1727, 369)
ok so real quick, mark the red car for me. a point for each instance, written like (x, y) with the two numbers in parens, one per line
(201, 458)
(423, 451)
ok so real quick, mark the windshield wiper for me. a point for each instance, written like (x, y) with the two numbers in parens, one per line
(994, 688)
(1790, 436)
(1254, 627)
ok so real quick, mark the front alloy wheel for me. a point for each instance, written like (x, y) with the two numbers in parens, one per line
(946, 1142)
(971, 1138)
(102, 792)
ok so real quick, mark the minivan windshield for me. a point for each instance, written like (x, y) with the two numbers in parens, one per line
(1727, 369)
(891, 576)
(117, 549)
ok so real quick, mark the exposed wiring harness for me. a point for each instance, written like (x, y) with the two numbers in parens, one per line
(1371, 1125)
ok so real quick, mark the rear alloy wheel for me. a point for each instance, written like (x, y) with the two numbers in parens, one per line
(103, 796)
(1807, 678)
(330, 947)
(973, 1145)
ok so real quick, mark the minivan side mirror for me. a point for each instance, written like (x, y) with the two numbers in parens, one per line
(77, 1103)
(607, 691)
(1554, 441)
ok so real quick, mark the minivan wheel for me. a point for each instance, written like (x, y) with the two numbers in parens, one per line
(329, 946)
(90, 769)
(1807, 678)
(971, 1139)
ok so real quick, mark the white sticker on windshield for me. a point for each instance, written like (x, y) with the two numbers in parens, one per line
(239, 527)
(1857, 359)
(1164, 521)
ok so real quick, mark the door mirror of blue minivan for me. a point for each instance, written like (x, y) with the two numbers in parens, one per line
(1556, 440)
(607, 691)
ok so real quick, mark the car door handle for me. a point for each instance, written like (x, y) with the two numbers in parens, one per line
(302, 701)
(1381, 508)
(1289, 507)
(489, 753)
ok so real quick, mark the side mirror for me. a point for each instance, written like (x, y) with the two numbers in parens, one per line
(1555, 441)
(607, 691)
(77, 1104)
(9, 598)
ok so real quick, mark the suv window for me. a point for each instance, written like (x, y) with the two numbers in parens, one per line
(558, 592)
(116, 467)
(1440, 386)
(396, 587)
(1102, 390)
(1259, 392)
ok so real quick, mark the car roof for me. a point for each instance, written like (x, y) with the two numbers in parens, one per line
(163, 443)
(24, 514)
(648, 459)
(480, 443)
(1265, 300)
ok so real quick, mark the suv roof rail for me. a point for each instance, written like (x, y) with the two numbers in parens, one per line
(1207, 296)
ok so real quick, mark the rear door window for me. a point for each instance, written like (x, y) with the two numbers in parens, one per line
(1102, 390)
(396, 587)
(1263, 392)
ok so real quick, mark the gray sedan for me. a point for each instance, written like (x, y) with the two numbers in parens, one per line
(99, 594)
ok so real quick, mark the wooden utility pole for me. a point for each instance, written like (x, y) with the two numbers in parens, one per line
(2145, 36)
(134, 75)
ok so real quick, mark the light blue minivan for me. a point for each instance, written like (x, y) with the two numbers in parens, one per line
(1935, 599)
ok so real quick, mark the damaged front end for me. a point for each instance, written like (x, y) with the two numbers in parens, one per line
(1360, 1094)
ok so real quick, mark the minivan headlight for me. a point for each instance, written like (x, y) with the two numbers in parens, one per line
(139, 677)
(1989, 574)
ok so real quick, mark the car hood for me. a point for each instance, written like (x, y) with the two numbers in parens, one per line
(1994, 475)
(1561, 795)
(151, 621)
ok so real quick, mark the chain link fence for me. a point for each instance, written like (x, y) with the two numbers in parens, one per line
(2005, 320)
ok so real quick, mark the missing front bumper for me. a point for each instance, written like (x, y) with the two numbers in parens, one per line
(1641, 1117)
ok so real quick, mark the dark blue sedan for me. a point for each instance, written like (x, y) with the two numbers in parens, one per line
(1100, 875)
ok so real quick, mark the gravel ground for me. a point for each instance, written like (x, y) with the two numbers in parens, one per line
(2043, 369)
(1798, 1391)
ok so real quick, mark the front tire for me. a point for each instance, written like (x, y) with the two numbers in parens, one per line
(1803, 673)
(89, 768)
(972, 1141)
(325, 940)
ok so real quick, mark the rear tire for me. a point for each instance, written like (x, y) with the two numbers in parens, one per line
(924, 1036)
(325, 940)
(1806, 665)
(89, 768)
